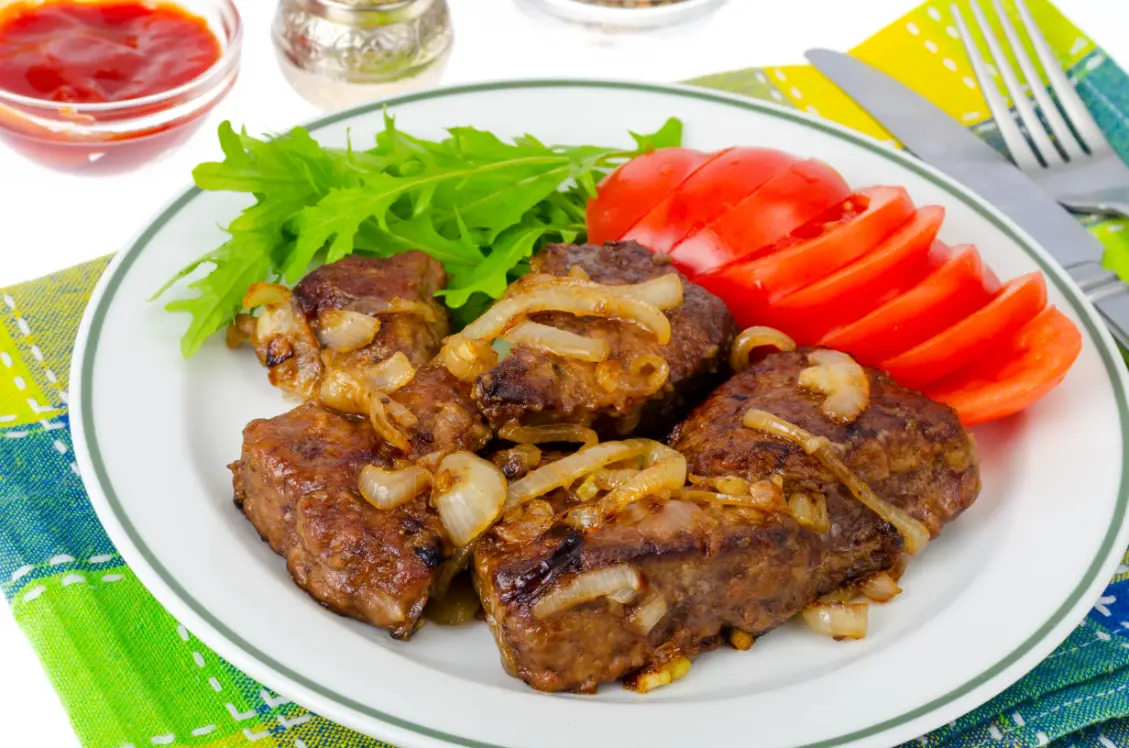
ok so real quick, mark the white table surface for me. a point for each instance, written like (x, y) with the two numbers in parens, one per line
(494, 39)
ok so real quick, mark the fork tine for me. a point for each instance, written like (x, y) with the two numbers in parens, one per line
(1076, 112)
(1054, 119)
(1020, 149)
(1023, 109)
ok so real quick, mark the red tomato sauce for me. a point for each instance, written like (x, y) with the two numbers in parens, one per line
(95, 52)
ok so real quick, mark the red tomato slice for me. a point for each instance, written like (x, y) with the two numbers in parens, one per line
(706, 194)
(974, 337)
(1021, 371)
(630, 191)
(895, 266)
(782, 204)
(810, 253)
(951, 293)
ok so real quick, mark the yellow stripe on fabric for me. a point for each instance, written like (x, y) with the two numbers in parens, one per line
(22, 400)
(810, 91)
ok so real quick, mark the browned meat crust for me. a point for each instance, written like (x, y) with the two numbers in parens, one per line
(725, 567)
(448, 420)
(367, 285)
(296, 482)
(533, 387)
(378, 287)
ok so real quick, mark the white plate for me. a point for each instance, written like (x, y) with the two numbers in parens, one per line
(986, 602)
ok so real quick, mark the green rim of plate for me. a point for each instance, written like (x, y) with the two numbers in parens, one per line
(1116, 521)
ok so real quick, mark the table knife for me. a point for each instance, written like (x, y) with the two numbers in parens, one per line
(943, 143)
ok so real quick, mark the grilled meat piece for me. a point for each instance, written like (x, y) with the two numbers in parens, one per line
(721, 567)
(399, 291)
(374, 286)
(533, 387)
(296, 481)
(446, 417)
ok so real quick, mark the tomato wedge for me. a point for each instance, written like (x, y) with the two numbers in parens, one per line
(782, 204)
(630, 191)
(706, 194)
(752, 285)
(1021, 371)
(949, 294)
(974, 337)
(893, 267)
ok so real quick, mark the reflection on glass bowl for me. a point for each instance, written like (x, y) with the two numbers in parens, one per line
(116, 136)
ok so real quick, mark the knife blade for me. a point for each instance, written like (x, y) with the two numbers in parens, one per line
(943, 143)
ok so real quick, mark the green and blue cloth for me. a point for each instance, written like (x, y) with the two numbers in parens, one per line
(128, 673)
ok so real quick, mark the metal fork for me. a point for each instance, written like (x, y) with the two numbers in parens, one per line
(1079, 167)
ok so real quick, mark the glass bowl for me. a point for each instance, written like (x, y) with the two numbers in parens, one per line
(112, 137)
(626, 15)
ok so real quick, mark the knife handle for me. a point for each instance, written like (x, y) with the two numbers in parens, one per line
(1109, 294)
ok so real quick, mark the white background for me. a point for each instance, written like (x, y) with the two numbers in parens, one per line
(52, 220)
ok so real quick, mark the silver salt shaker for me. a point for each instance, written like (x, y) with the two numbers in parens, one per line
(338, 53)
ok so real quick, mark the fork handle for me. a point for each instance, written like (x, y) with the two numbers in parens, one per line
(1106, 202)
(1109, 294)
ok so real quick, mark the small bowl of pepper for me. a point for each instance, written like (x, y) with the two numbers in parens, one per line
(103, 86)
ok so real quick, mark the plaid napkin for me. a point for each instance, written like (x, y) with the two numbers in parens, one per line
(130, 675)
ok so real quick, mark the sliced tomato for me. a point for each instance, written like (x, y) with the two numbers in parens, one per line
(951, 293)
(810, 253)
(784, 203)
(706, 194)
(630, 191)
(1022, 370)
(893, 267)
(974, 337)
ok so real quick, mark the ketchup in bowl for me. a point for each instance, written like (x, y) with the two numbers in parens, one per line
(102, 85)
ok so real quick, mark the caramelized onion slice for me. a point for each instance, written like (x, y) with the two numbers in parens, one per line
(390, 374)
(763, 495)
(466, 357)
(388, 489)
(838, 620)
(559, 342)
(266, 294)
(594, 301)
(344, 331)
(383, 425)
(914, 534)
(588, 586)
(842, 380)
(401, 306)
(609, 478)
(664, 292)
(880, 587)
(664, 471)
(470, 495)
(555, 432)
(647, 614)
(342, 392)
(568, 470)
(731, 485)
(643, 377)
(752, 338)
(810, 511)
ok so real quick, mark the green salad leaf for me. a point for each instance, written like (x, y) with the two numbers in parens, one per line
(478, 204)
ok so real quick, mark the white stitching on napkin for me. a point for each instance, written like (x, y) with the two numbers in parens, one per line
(21, 323)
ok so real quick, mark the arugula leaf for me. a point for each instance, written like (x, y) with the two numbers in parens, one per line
(241, 261)
(477, 203)
(668, 136)
(489, 276)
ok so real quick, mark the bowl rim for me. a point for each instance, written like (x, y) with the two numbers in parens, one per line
(229, 58)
